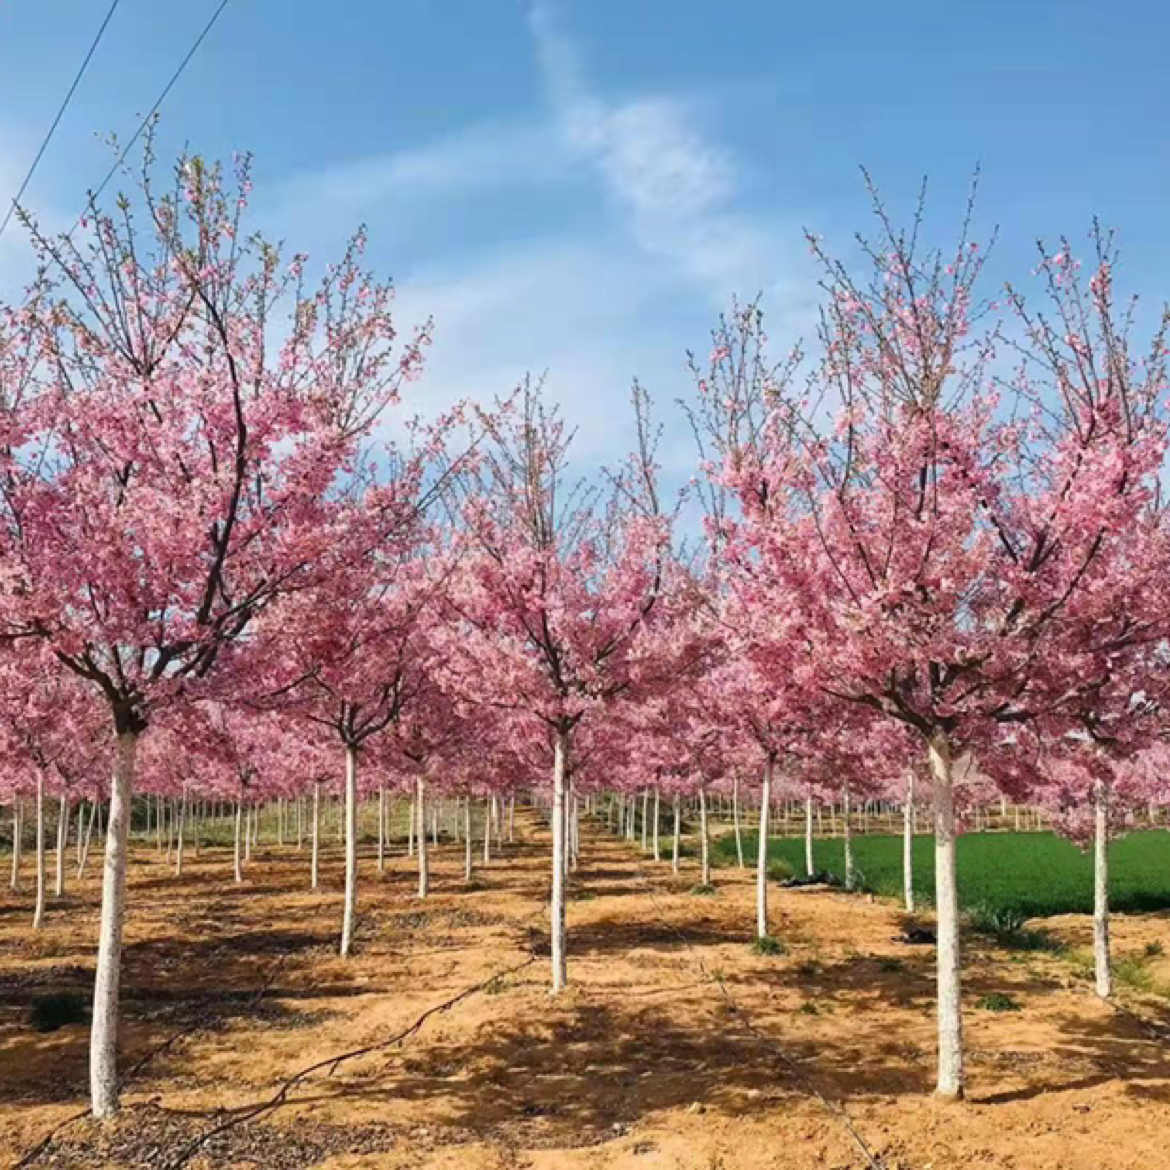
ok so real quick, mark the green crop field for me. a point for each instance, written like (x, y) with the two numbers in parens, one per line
(1030, 874)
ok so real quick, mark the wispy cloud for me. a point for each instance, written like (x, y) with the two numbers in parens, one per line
(478, 159)
(604, 289)
(677, 188)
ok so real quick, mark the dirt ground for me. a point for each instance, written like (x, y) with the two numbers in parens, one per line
(675, 1047)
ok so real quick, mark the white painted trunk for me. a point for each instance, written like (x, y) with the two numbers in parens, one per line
(182, 833)
(468, 844)
(575, 833)
(103, 1036)
(424, 873)
(487, 833)
(93, 816)
(1104, 977)
(705, 837)
(62, 841)
(645, 817)
(762, 857)
(677, 835)
(239, 871)
(908, 845)
(847, 823)
(381, 827)
(567, 852)
(560, 968)
(39, 910)
(735, 820)
(946, 900)
(315, 844)
(80, 829)
(657, 813)
(511, 818)
(349, 905)
(17, 842)
(809, 868)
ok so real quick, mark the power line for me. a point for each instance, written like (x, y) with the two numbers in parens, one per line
(60, 114)
(162, 97)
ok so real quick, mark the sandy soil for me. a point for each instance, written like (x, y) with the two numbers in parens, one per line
(675, 1047)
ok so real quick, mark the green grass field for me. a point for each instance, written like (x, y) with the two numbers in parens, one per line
(1030, 874)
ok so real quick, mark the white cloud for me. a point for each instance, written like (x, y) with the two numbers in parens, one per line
(677, 189)
(401, 185)
(587, 314)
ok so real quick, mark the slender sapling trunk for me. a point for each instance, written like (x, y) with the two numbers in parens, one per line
(950, 1018)
(1103, 974)
(103, 1036)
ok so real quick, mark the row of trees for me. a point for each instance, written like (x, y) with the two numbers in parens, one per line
(938, 548)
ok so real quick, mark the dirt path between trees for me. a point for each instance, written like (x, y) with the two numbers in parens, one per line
(676, 1046)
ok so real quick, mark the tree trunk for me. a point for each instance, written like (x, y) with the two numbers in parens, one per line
(487, 832)
(574, 832)
(762, 857)
(908, 845)
(181, 834)
(808, 835)
(1104, 977)
(239, 832)
(704, 837)
(468, 844)
(62, 841)
(103, 1036)
(420, 834)
(950, 1017)
(17, 841)
(412, 823)
(657, 813)
(39, 911)
(93, 816)
(645, 816)
(315, 844)
(677, 834)
(847, 829)
(735, 820)
(381, 827)
(511, 818)
(560, 969)
(349, 907)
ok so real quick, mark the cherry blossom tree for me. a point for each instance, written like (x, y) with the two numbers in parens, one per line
(168, 474)
(933, 539)
(553, 594)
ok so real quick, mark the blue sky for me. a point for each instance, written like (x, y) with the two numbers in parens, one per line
(581, 185)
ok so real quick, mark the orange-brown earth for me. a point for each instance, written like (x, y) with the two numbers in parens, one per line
(675, 1047)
